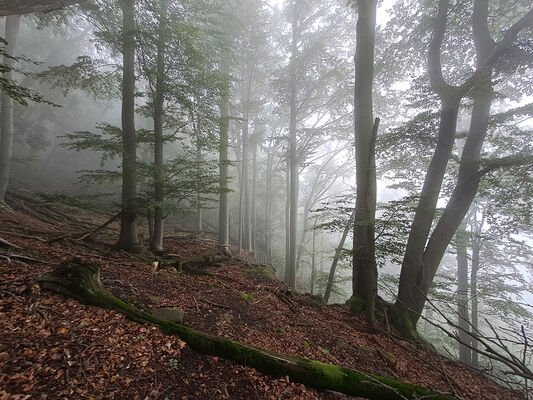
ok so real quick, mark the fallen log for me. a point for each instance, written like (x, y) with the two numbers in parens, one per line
(81, 281)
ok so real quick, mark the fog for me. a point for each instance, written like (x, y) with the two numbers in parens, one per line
(282, 80)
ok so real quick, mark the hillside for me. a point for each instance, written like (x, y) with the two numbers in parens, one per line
(57, 348)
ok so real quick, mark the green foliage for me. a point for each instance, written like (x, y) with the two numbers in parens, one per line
(173, 363)
(99, 78)
(17, 92)
(247, 297)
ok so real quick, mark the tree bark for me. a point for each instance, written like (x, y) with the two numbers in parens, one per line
(421, 261)
(128, 239)
(463, 320)
(287, 220)
(223, 210)
(268, 207)
(290, 274)
(81, 281)
(156, 244)
(247, 221)
(336, 258)
(17, 7)
(364, 277)
(253, 216)
(6, 119)
(476, 229)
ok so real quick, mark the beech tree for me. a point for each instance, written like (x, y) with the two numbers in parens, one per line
(365, 272)
(425, 248)
(128, 239)
(6, 119)
(17, 7)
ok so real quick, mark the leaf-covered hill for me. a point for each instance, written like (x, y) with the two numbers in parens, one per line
(56, 348)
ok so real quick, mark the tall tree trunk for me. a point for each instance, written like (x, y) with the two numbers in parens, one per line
(157, 241)
(128, 239)
(338, 252)
(465, 354)
(199, 209)
(223, 207)
(313, 259)
(477, 226)
(287, 220)
(6, 119)
(247, 221)
(254, 188)
(268, 207)
(290, 274)
(364, 278)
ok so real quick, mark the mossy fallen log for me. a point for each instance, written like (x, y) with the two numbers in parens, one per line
(81, 281)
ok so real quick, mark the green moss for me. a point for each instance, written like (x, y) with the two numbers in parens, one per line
(356, 305)
(313, 373)
(331, 372)
(245, 296)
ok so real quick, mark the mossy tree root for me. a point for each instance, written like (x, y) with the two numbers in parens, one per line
(81, 281)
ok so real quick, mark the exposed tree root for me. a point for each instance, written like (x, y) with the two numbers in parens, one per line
(179, 263)
(81, 281)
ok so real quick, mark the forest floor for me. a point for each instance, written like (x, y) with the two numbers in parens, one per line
(56, 348)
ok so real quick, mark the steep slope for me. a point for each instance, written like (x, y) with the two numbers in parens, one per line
(52, 347)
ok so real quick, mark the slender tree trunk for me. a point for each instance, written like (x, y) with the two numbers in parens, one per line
(287, 221)
(338, 252)
(313, 260)
(223, 208)
(290, 274)
(477, 227)
(465, 354)
(199, 209)
(241, 198)
(247, 221)
(157, 241)
(6, 119)
(128, 239)
(364, 283)
(254, 188)
(268, 207)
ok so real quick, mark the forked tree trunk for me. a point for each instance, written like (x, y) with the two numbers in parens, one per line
(128, 239)
(422, 260)
(365, 273)
(81, 281)
(6, 119)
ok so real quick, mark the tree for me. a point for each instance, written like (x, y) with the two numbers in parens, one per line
(6, 119)
(365, 272)
(156, 243)
(425, 248)
(30, 6)
(128, 239)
